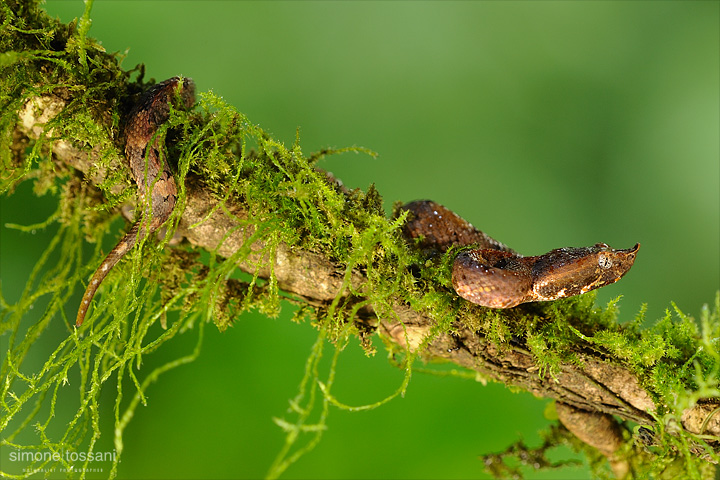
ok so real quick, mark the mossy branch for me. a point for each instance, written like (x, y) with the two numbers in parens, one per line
(249, 202)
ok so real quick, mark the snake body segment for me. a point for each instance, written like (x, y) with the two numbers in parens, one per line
(495, 276)
(149, 169)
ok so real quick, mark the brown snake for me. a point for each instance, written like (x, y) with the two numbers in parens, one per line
(493, 275)
(149, 169)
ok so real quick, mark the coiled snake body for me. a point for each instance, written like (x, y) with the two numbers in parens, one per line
(493, 275)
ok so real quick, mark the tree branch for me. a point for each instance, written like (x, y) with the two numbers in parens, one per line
(68, 96)
(592, 382)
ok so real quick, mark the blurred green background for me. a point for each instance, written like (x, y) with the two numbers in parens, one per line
(545, 124)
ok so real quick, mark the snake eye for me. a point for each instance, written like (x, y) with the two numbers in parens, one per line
(604, 261)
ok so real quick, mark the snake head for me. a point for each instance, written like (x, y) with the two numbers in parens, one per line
(572, 271)
(494, 276)
(498, 279)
